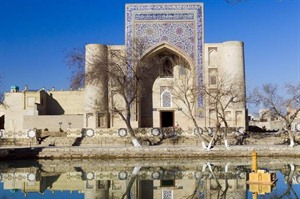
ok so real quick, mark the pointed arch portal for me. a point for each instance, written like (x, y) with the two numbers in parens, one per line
(178, 27)
(162, 70)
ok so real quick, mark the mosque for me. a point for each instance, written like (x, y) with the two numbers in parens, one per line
(170, 31)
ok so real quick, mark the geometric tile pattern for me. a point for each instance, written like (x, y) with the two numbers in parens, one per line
(177, 24)
(175, 34)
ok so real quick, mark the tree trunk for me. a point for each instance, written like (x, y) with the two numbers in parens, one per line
(224, 194)
(214, 136)
(199, 134)
(214, 175)
(134, 174)
(292, 137)
(225, 135)
(134, 140)
(218, 126)
(211, 141)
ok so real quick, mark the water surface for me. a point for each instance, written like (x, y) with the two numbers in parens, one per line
(146, 179)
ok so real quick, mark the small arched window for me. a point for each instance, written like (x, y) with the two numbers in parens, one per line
(213, 80)
(213, 77)
(166, 69)
(166, 99)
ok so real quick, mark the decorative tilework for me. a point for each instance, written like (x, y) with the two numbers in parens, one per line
(164, 16)
(176, 34)
(180, 25)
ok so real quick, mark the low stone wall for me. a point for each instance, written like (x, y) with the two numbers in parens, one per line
(13, 135)
(122, 132)
(273, 125)
(147, 136)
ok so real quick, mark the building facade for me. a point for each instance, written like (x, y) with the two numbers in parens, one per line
(169, 31)
(41, 109)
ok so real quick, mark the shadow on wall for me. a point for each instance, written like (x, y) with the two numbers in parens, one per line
(53, 107)
(20, 153)
(78, 141)
(259, 129)
(2, 122)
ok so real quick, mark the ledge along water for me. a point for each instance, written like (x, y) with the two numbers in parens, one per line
(96, 152)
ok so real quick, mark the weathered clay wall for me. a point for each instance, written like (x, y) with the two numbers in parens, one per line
(52, 122)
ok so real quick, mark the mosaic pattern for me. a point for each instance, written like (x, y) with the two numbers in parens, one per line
(164, 16)
(180, 25)
(180, 35)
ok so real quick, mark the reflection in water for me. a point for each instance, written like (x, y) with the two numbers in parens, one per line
(145, 179)
(261, 181)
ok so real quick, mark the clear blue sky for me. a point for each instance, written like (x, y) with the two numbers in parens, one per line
(36, 34)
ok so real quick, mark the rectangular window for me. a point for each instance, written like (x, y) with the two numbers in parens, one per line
(167, 183)
(213, 80)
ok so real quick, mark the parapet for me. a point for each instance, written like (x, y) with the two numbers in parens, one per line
(233, 43)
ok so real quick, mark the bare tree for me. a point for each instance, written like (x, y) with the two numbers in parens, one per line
(126, 72)
(75, 59)
(221, 190)
(288, 192)
(285, 105)
(221, 193)
(199, 181)
(185, 95)
(226, 92)
(223, 95)
(134, 175)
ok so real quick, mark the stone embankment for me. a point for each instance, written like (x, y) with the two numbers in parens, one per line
(120, 147)
(95, 152)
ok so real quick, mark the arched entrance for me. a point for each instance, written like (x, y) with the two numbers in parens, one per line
(156, 97)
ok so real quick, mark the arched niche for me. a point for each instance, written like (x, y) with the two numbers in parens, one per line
(238, 118)
(164, 58)
(165, 47)
(212, 77)
(213, 57)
